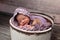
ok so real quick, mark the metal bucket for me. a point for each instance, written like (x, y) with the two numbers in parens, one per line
(18, 34)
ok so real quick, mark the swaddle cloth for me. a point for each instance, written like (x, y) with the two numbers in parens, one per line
(43, 25)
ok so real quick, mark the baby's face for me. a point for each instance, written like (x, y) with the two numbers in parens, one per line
(22, 20)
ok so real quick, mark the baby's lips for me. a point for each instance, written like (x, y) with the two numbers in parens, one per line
(22, 24)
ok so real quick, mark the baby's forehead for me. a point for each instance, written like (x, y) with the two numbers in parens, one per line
(21, 15)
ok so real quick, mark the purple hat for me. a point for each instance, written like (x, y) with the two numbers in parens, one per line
(21, 10)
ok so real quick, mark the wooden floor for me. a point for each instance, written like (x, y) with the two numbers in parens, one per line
(4, 27)
(5, 31)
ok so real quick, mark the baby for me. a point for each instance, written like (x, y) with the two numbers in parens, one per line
(30, 23)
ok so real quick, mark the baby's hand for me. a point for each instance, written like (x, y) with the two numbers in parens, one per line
(36, 21)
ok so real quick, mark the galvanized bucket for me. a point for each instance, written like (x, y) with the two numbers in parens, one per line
(18, 34)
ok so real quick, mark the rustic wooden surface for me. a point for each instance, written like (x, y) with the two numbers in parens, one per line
(5, 31)
(4, 27)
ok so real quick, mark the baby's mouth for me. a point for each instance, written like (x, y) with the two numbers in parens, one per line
(22, 23)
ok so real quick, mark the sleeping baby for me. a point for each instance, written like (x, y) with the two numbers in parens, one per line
(28, 23)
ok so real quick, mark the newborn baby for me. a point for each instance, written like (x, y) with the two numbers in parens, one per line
(30, 23)
(25, 23)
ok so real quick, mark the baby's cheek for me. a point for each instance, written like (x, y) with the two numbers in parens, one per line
(26, 21)
(23, 22)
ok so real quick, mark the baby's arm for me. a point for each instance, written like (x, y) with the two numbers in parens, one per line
(36, 21)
